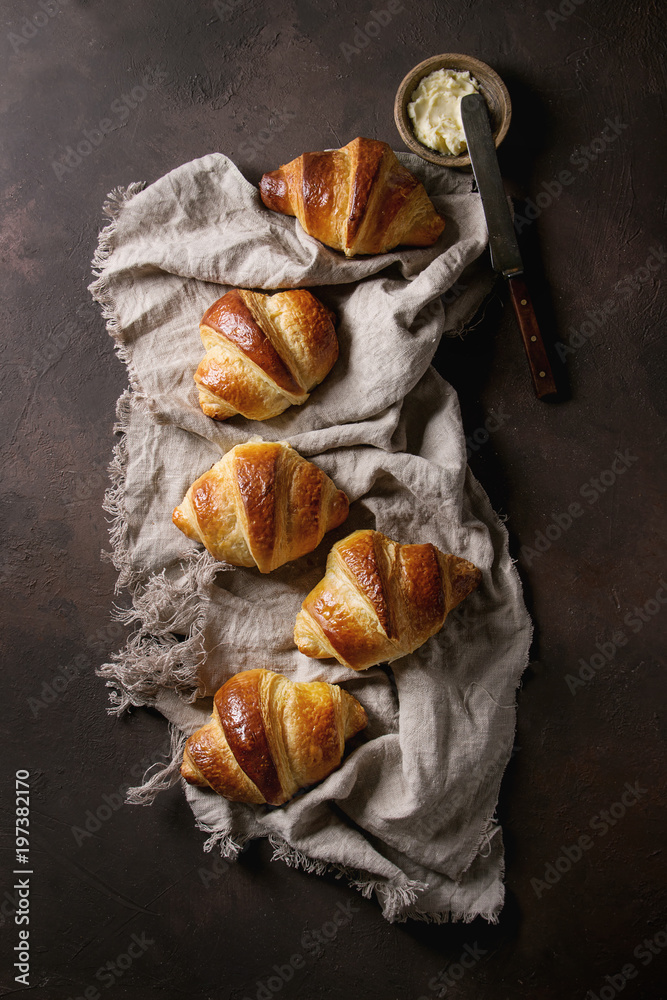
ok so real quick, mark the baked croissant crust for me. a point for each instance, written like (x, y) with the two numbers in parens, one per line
(380, 600)
(263, 352)
(261, 505)
(358, 199)
(269, 736)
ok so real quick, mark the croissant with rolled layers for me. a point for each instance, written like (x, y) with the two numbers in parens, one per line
(358, 199)
(269, 736)
(263, 352)
(380, 600)
(261, 505)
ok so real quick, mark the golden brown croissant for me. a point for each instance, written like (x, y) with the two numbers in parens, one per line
(380, 600)
(261, 505)
(263, 352)
(358, 199)
(269, 736)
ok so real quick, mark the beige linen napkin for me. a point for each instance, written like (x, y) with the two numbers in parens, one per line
(410, 813)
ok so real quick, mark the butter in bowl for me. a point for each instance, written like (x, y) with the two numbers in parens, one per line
(427, 106)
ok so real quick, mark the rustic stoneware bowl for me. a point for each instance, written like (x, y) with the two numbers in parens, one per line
(490, 85)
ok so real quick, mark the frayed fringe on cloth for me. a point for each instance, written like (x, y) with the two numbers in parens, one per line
(451, 917)
(114, 505)
(398, 901)
(394, 898)
(99, 289)
(167, 649)
(229, 847)
(167, 775)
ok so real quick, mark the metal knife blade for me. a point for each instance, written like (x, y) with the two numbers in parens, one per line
(505, 255)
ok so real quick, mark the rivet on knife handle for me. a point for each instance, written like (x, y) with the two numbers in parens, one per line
(538, 360)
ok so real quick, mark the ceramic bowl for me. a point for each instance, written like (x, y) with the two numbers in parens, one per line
(490, 85)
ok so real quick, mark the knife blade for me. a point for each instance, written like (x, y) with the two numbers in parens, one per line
(505, 254)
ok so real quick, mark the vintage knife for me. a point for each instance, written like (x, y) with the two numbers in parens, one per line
(505, 256)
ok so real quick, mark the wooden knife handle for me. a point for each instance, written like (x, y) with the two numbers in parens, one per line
(538, 360)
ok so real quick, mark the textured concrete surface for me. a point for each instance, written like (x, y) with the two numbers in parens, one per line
(263, 82)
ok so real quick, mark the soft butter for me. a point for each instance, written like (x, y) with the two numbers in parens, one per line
(435, 110)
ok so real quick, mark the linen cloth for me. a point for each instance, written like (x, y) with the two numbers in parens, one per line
(410, 813)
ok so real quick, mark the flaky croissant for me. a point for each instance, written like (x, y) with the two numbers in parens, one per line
(380, 600)
(261, 505)
(269, 736)
(358, 199)
(263, 352)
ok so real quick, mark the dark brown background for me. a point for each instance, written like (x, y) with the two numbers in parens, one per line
(281, 68)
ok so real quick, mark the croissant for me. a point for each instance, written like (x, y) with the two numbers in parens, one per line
(380, 600)
(261, 505)
(269, 736)
(358, 199)
(263, 352)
